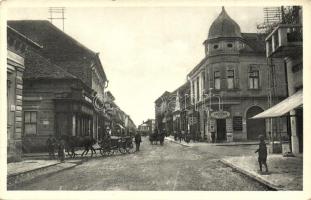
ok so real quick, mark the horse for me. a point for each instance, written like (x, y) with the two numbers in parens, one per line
(72, 142)
(155, 137)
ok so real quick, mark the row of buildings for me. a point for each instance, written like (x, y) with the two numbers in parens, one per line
(55, 86)
(147, 127)
(241, 76)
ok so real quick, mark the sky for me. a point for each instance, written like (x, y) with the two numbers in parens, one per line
(144, 51)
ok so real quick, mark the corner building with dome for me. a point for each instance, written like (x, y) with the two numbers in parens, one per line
(233, 83)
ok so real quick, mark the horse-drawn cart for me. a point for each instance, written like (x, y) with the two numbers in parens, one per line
(114, 144)
(107, 146)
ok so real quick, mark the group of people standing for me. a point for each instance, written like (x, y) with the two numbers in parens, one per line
(182, 136)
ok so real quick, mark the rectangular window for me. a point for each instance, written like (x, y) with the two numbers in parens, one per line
(217, 80)
(198, 89)
(254, 79)
(193, 92)
(230, 79)
(30, 122)
(237, 123)
(203, 80)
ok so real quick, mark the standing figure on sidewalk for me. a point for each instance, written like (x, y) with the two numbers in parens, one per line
(61, 149)
(137, 141)
(262, 153)
(213, 136)
(50, 143)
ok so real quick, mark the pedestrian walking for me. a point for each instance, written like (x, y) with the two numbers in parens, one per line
(137, 140)
(61, 149)
(262, 153)
(50, 143)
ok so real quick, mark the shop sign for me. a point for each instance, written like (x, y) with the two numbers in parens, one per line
(220, 114)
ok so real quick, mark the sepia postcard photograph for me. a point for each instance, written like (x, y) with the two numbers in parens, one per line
(111, 97)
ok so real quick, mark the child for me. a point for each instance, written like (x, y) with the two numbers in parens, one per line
(262, 153)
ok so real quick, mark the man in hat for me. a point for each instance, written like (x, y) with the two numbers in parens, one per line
(262, 153)
(137, 140)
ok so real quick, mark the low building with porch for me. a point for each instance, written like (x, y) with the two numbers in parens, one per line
(63, 80)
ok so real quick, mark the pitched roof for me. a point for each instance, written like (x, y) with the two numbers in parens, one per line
(166, 93)
(38, 67)
(255, 41)
(197, 67)
(57, 45)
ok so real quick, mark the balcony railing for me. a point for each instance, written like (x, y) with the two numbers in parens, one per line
(285, 40)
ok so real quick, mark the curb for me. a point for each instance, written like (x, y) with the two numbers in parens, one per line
(178, 143)
(250, 175)
(23, 177)
(241, 144)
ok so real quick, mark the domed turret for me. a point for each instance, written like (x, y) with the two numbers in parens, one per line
(224, 26)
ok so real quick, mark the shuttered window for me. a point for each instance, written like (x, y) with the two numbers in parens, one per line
(30, 122)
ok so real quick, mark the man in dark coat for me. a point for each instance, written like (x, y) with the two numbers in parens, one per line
(262, 153)
(137, 140)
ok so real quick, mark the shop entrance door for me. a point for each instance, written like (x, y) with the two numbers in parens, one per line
(221, 130)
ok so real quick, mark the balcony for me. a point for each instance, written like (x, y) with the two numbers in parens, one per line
(285, 40)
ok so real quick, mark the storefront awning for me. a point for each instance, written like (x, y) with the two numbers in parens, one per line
(283, 107)
(119, 125)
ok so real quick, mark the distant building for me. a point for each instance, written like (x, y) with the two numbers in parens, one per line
(162, 122)
(147, 127)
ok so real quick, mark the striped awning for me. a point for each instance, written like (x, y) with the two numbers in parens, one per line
(283, 107)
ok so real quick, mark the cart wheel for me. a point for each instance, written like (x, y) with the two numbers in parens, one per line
(122, 149)
(130, 148)
(104, 152)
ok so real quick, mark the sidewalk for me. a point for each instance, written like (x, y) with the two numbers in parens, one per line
(171, 139)
(192, 144)
(285, 172)
(34, 166)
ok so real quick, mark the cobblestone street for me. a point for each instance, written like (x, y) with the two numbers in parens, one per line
(169, 167)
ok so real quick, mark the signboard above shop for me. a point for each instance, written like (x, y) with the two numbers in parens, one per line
(220, 114)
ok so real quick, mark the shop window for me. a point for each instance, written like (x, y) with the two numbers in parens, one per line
(230, 79)
(217, 80)
(253, 79)
(30, 122)
(237, 123)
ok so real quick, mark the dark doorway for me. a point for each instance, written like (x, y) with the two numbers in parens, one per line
(221, 129)
(299, 119)
(255, 127)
